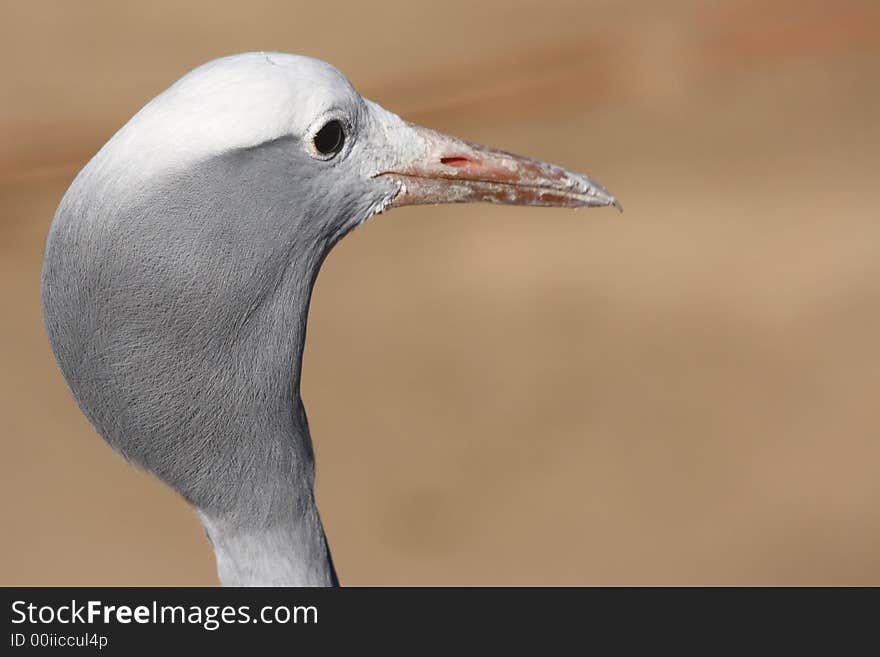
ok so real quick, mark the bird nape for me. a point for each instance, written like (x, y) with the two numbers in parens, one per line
(178, 271)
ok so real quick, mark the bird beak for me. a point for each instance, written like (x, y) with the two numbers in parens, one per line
(450, 170)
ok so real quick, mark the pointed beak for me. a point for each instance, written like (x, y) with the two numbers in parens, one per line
(450, 170)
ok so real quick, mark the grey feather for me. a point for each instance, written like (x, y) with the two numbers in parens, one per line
(179, 267)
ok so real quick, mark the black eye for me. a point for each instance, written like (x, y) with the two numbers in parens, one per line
(330, 139)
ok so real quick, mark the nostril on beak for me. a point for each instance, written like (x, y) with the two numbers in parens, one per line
(455, 161)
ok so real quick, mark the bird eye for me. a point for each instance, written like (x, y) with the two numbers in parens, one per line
(329, 139)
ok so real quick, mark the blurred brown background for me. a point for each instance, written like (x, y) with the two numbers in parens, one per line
(687, 394)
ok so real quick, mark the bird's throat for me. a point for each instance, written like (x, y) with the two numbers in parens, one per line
(272, 534)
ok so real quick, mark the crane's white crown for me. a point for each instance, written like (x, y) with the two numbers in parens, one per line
(244, 100)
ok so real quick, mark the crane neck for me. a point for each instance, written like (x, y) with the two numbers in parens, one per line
(177, 309)
(270, 533)
(292, 553)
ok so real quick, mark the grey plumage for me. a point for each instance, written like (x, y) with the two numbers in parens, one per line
(176, 290)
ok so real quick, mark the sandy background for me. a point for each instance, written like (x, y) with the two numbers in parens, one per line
(685, 394)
